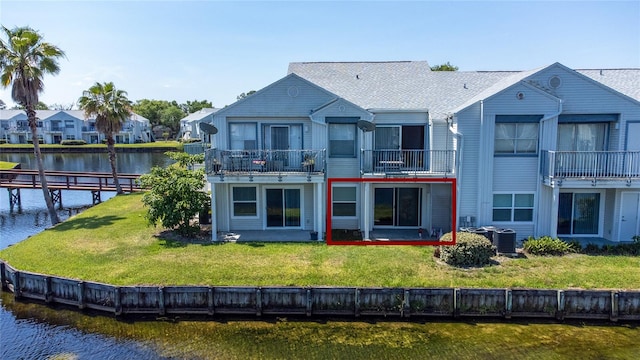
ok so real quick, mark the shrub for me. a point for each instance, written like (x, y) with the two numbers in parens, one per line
(73, 142)
(547, 245)
(470, 250)
(175, 195)
(626, 249)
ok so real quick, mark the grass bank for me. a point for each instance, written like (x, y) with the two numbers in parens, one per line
(5, 165)
(111, 243)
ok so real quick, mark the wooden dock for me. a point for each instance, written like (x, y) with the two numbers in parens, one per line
(96, 182)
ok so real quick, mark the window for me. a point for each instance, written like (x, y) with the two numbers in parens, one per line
(344, 201)
(513, 207)
(387, 138)
(582, 137)
(342, 140)
(70, 137)
(516, 138)
(245, 201)
(69, 124)
(243, 136)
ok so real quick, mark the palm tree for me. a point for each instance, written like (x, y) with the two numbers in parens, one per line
(24, 60)
(111, 109)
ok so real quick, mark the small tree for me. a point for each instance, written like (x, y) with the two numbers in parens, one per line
(444, 67)
(175, 194)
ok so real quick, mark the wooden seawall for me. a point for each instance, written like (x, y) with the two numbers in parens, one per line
(324, 301)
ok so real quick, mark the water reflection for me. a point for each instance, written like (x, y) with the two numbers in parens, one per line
(135, 163)
(28, 332)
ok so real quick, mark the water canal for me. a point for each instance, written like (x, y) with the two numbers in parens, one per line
(31, 331)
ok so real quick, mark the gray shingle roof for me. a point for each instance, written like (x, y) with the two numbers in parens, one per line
(626, 81)
(408, 85)
(199, 115)
(399, 85)
(389, 85)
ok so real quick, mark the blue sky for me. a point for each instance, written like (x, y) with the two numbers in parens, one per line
(215, 50)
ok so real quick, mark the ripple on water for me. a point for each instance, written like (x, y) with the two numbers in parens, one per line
(28, 338)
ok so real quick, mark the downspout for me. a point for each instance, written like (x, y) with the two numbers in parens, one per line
(553, 220)
(460, 151)
(480, 196)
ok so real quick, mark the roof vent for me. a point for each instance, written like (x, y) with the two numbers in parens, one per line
(555, 82)
(293, 91)
(520, 95)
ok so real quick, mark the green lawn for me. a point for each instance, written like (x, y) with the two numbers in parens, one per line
(111, 243)
(5, 165)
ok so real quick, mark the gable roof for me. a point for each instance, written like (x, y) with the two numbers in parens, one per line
(499, 86)
(10, 114)
(199, 115)
(265, 89)
(411, 85)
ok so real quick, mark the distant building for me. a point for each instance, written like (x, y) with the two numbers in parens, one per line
(57, 125)
(190, 124)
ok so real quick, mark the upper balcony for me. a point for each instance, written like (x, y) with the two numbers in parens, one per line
(265, 162)
(590, 165)
(408, 162)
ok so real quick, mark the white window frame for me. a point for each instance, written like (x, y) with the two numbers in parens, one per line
(355, 202)
(233, 202)
(601, 214)
(515, 139)
(355, 141)
(513, 207)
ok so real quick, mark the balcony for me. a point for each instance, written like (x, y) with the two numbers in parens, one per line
(590, 165)
(264, 162)
(408, 162)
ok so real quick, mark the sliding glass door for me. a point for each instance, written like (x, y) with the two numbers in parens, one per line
(283, 207)
(397, 206)
(579, 214)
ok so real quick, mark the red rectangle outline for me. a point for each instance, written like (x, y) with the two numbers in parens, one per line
(416, 242)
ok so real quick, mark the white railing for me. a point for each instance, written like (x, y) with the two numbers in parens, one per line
(408, 161)
(264, 161)
(591, 164)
